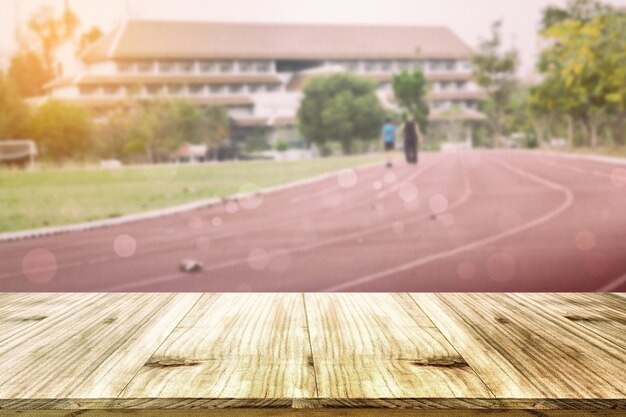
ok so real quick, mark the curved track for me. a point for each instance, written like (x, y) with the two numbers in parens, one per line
(476, 221)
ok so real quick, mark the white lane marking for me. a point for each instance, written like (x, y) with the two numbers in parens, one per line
(321, 193)
(304, 248)
(613, 284)
(569, 198)
(396, 186)
(181, 243)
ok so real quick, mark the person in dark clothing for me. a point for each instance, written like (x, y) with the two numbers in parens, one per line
(412, 136)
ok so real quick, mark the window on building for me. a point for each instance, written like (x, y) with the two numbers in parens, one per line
(271, 88)
(166, 66)
(434, 65)
(437, 104)
(235, 88)
(444, 85)
(404, 64)
(371, 66)
(263, 66)
(226, 66)
(216, 88)
(207, 66)
(125, 66)
(466, 65)
(186, 66)
(89, 90)
(154, 89)
(470, 104)
(255, 88)
(246, 66)
(461, 85)
(145, 66)
(385, 66)
(449, 65)
(112, 90)
(132, 90)
(175, 89)
(196, 89)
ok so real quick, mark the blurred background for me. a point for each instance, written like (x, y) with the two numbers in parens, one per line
(195, 109)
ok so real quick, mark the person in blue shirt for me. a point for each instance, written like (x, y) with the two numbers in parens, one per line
(388, 136)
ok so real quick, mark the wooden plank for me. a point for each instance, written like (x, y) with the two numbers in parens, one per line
(372, 346)
(521, 352)
(313, 413)
(602, 314)
(19, 311)
(241, 346)
(91, 352)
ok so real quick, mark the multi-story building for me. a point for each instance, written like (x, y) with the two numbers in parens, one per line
(259, 70)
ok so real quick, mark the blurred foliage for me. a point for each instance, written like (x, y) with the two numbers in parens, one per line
(494, 71)
(340, 107)
(34, 64)
(89, 38)
(282, 146)
(151, 130)
(584, 70)
(29, 72)
(62, 130)
(14, 113)
(410, 89)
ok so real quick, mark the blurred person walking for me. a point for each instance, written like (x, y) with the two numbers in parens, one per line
(412, 135)
(388, 136)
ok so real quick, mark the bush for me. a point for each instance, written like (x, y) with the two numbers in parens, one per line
(62, 130)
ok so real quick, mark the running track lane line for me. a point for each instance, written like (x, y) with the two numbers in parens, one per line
(181, 243)
(303, 248)
(569, 199)
(613, 285)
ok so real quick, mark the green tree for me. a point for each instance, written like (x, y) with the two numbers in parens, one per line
(29, 72)
(14, 113)
(341, 107)
(410, 89)
(494, 70)
(89, 38)
(216, 125)
(34, 65)
(584, 76)
(62, 130)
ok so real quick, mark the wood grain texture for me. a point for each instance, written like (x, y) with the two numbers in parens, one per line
(312, 354)
(382, 346)
(524, 351)
(91, 350)
(311, 413)
(233, 346)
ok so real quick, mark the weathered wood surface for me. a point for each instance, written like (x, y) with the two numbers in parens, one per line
(310, 354)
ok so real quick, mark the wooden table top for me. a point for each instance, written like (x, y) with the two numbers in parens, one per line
(308, 352)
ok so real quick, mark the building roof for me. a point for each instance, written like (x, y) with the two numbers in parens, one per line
(138, 39)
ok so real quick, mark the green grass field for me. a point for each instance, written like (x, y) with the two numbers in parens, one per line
(54, 197)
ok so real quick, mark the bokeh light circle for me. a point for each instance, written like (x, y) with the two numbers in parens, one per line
(258, 259)
(407, 192)
(125, 246)
(618, 177)
(252, 197)
(347, 178)
(466, 270)
(585, 241)
(438, 203)
(39, 265)
(501, 267)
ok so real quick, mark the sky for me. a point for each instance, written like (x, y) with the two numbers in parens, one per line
(470, 19)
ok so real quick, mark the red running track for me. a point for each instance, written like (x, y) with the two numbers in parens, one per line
(474, 221)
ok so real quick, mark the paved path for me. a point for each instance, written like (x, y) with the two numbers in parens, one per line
(477, 221)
